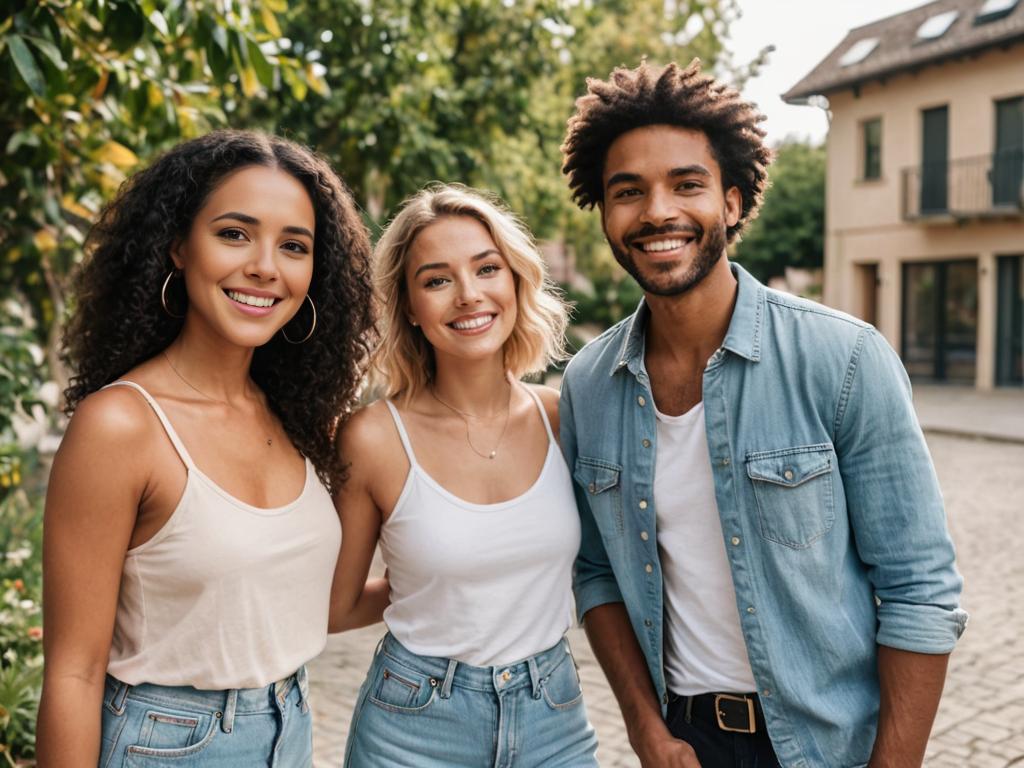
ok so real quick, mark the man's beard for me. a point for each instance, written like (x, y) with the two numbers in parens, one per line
(658, 278)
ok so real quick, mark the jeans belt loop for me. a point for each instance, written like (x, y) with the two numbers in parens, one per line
(227, 723)
(531, 665)
(449, 676)
(302, 678)
(117, 701)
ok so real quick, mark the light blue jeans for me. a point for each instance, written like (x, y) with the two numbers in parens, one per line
(427, 712)
(157, 726)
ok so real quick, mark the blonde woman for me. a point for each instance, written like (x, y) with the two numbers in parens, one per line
(457, 474)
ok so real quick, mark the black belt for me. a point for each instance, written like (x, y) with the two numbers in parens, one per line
(733, 712)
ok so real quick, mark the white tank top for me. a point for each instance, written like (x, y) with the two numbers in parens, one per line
(485, 584)
(226, 595)
(704, 648)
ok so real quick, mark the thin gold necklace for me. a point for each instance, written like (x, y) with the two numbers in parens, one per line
(196, 389)
(467, 416)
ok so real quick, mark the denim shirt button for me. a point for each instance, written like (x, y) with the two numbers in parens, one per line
(592, 488)
(648, 623)
(725, 462)
(643, 504)
(751, 609)
(735, 541)
(649, 568)
(644, 535)
(641, 401)
(766, 692)
(788, 474)
(645, 443)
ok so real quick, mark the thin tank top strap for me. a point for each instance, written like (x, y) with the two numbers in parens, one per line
(543, 413)
(171, 434)
(401, 432)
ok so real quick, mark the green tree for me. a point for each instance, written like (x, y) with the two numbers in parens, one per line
(790, 230)
(93, 85)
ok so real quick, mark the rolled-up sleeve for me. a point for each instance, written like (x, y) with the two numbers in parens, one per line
(895, 505)
(593, 579)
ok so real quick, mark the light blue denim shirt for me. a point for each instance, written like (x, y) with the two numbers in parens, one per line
(831, 513)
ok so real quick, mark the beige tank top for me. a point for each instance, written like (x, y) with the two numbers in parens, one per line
(226, 595)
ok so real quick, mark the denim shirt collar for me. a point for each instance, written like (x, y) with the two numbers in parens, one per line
(743, 337)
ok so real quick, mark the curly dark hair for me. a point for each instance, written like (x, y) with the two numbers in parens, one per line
(118, 321)
(647, 95)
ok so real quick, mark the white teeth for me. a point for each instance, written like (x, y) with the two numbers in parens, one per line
(252, 301)
(476, 322)
(663, 245)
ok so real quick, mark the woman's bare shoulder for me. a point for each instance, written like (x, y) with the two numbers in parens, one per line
(369, 432)
(549, 399)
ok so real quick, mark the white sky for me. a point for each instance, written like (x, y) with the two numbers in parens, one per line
(803, 33)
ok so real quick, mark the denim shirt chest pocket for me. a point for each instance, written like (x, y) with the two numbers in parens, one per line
(794, 494)
(600, 480)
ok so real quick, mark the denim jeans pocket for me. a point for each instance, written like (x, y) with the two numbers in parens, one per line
(168, 733)
(399, 689)
(793, 489)
(600, 480)
(561, 688)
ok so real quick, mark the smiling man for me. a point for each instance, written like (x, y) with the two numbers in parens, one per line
(765, 573)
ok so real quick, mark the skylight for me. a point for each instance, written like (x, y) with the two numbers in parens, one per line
(937, 25)
(994, 9)
(858, 51)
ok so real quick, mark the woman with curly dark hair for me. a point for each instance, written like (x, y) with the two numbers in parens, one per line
(190, 537)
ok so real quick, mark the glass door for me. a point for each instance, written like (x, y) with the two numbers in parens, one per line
(940, 320)
(1010, 321)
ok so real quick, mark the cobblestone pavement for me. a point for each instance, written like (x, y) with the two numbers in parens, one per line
(981, 720)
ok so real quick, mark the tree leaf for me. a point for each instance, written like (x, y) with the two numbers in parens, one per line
(264, 71)
(317, 83)
(250, 82)
(116, 154)
(157, 20)
(270, 21)
(49, 50)
(26, 65)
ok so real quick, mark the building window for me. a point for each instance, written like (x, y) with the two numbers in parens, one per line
(993, 10)
(872, 153)
(1008, 159)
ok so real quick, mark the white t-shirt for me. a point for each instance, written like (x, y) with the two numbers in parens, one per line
(704, 648)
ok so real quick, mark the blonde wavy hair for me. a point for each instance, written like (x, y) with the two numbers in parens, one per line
(404, 360)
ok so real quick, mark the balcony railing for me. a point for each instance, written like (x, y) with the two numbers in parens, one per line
(971, 188)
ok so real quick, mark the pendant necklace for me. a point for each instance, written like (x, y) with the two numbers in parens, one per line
(196, 389)
(467, 416)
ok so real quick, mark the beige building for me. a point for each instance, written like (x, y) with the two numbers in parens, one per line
(925, 185)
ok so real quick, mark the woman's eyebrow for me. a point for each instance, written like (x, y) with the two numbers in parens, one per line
(444, 264)
(247, 219)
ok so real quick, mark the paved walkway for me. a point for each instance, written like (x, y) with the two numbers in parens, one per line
(981, 720)
(966, 412)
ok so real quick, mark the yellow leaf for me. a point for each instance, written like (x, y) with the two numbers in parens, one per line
(14, 254)
(154, 95)
(44, 241)
(75, 207)
(250, 83)
(116, 154)
(318, 84)
(277, 6)
(270, 21)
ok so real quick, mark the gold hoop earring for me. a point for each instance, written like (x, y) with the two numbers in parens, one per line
(163, 294)
(311, 328)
